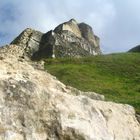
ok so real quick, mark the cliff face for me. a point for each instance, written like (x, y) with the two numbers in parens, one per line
(88, 34)
(35, 106)
(30, 41)
(71, 26)
(69, 39)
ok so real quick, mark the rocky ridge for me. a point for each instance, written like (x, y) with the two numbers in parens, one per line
(69, 39)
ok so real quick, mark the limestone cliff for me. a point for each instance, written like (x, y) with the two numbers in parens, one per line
(69, 39)
(71, 26)
(88, 34)
(29, 41)
(34, 105)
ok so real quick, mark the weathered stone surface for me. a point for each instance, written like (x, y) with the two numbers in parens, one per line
(91, 95)
(88, 34)
(71, 26)
(69, 39)
(12, 50)
(65, 44)
(35, 106)
(30, 40)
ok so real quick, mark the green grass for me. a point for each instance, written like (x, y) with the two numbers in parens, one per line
(117, 76)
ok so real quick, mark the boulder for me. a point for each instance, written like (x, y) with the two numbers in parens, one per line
(34, 105)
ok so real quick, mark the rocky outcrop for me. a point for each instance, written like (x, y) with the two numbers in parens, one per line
(88, 34)
(135, 49)
(30, 41)
(35, 106)
(69, 39)
(71, 26)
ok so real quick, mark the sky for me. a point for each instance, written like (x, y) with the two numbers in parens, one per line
(116, 22)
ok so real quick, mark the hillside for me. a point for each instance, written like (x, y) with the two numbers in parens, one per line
(135, 49)
(117, 76)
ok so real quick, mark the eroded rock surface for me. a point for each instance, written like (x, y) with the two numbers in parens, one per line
(35, 106)
(69, 39)
(71, 26)
(30, 41)
(88, 34)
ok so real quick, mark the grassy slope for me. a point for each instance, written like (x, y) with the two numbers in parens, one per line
(117, 76)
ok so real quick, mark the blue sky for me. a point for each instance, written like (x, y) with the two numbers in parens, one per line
(116, 22)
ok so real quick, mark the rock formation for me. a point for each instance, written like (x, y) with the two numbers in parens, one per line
(34, 105)
(69, 39)
(29, 41)
(71, 26)
(135, 49)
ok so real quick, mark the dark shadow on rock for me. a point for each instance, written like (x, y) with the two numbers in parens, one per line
(138, 117)
(45, 47)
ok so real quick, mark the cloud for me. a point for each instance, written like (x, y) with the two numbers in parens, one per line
(124, 31)
(115, 22)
